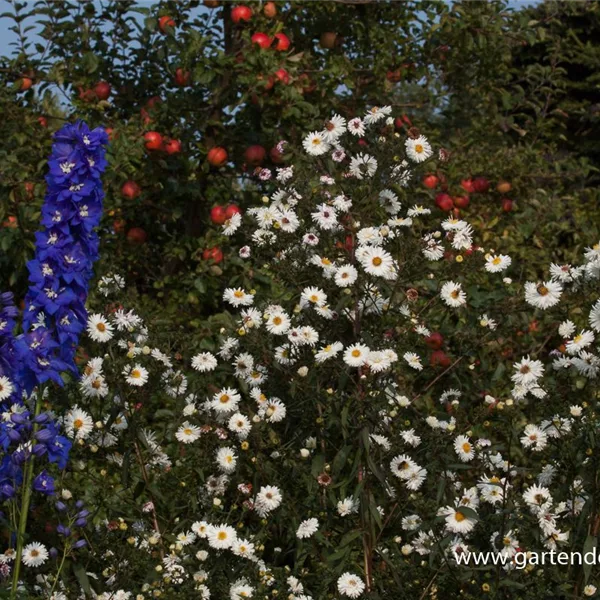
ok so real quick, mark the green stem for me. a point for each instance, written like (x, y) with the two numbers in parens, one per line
(62, 563)
(25, 500)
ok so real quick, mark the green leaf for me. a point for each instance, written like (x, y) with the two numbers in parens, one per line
(590, 543)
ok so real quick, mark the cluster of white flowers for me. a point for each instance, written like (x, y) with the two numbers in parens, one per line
(340, 346)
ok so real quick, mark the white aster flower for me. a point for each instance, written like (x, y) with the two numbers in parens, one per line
(418, 149)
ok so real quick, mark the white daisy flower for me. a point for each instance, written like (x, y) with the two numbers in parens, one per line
(363, 165)
(315, 144)
(221, 537)
(334, 128)
(413, 360)
(350, 585)
(356, 355)
(345, 275)
(226, 459)
(187, 433)
(347, 506)
(240, 425)
(225, 400)
(457, 521)
(356, 127)
(278, 323)
(312, 296)
(419, 149)
(99, 329)
(307, 528)
(595, 316)
(464, 448)
(6, 388)
(377, 261)
(543, 295)
(267, 500)
(238, 297)
(328, 351)
(497, 263)
(136, 375)
(34, 554)
(579, 342)
(527, 371)
(78, 423)
(376, 114)
(204, 362)
(452, 294)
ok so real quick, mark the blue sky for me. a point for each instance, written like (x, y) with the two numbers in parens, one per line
(6, 36)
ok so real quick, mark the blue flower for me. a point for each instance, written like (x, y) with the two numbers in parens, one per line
(44, 484)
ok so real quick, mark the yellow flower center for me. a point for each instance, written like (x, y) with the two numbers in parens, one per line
(377, 261)
(459, 517)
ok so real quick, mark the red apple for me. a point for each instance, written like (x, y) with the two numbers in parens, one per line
(481, 184)
(241, 13)
(217, 156)
(182, 77)
(213, 253)
(282, 42)
(276, 156)
(29, 188)
(504, 187)
(283, 76)
(217, 215)
(232, 209)
(173, 147)
(270, 10)
(461, 201)
(43, 121)
(11, 223)
(262, 39)
(444, 201)
(131, 190)
(467, 185)
(165, 22)
(507, 204)
(435, 340)
(137, 235)
(431, 181)
(102, 90)
(255, 155)
(269, 81)
(119, 225)
(26, 83)
(154, 141)
(439, 358)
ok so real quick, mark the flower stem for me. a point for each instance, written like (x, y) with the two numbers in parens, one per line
(25, 500)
